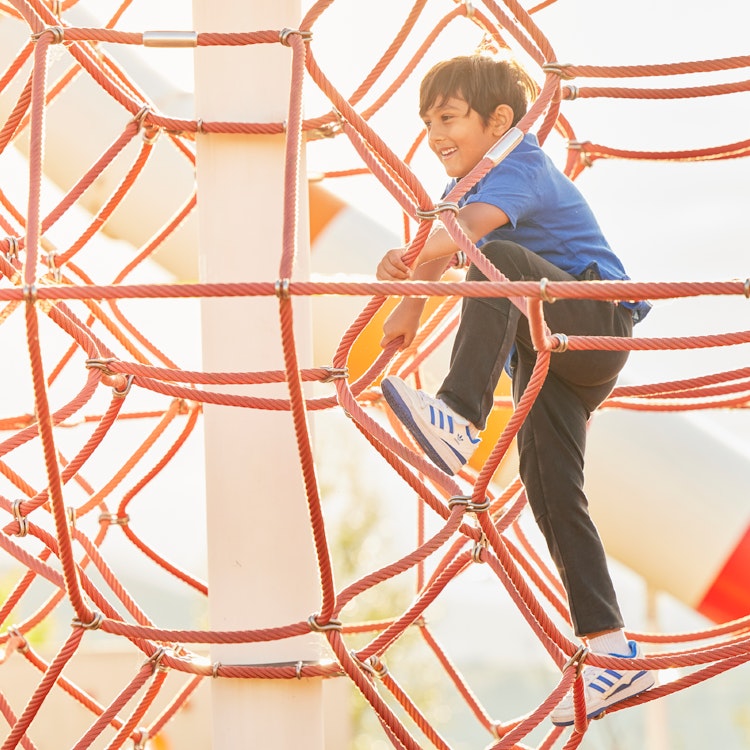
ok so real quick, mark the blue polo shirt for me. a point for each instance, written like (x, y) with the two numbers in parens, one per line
(548, 215)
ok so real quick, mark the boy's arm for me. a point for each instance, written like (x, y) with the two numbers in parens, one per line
(476, 220)
(404, 319)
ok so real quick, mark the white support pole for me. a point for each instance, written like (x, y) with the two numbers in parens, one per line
(261, 564)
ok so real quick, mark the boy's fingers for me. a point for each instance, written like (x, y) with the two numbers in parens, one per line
(401, 339)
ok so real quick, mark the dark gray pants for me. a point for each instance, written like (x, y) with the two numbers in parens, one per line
(552, 439)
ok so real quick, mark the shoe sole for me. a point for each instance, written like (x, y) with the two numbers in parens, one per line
(628, 691)
(401, 409)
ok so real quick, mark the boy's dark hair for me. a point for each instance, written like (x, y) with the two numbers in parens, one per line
(483, 82)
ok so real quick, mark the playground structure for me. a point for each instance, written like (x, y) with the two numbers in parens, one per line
(53, 286)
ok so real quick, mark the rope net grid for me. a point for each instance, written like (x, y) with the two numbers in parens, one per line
(112, 412)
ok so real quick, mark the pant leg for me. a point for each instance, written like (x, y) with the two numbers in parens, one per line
(552, 439)
(551, 445)
(491, 327)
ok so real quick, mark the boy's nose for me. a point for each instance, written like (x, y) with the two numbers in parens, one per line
(435, 136)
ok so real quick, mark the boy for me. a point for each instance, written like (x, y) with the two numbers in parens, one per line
(531, 222)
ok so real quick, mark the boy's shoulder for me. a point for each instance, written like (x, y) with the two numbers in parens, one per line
(528, 148)
(522, 163)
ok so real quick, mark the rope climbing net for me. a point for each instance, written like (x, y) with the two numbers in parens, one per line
(59, 519)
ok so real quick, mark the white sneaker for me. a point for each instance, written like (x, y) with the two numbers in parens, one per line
(604, 688)
(446, 437)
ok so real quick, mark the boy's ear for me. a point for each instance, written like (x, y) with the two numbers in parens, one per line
(501, 119)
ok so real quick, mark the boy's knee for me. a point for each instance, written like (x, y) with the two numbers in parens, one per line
(508, 257)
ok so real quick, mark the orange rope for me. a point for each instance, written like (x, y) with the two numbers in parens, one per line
(104, 335)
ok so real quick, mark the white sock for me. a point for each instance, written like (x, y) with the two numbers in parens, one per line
(615, 643)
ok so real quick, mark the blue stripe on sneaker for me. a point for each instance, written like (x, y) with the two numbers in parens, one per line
(450, 424)
(403, 412)
(459, 455)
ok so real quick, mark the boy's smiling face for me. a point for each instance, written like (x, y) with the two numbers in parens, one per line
(458, 135)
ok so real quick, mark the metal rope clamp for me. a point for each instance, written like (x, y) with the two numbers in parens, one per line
(562, 345)
(285, 33)
(122, 392)
(55, 271)
(580, 146)
(335, 373)
(95, 623)
(14, 632)
(100, 364)
(376, 666)
(480, 545)
(281, 288)
(165, 38)
(58, 34)
(543, 293)
(149, 133)
(469, 506)
(318, 628)
(577, 660)
(328, 130)
(23, 522)
(434, 213)
(114, 520)
(156, 658)
(559, 69)
(30, 293)
(140, 742)
(12, 248)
